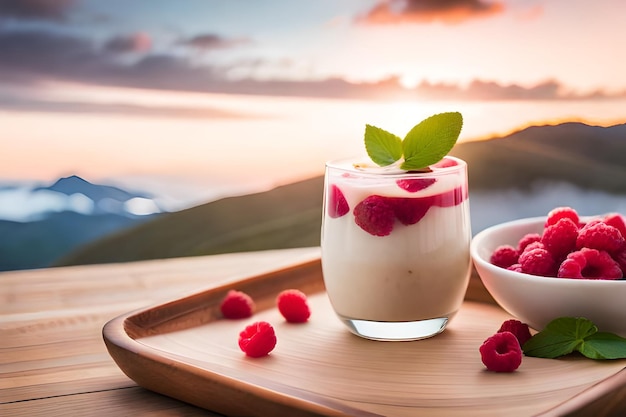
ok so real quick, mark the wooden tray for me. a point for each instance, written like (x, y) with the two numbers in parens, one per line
(184, 349)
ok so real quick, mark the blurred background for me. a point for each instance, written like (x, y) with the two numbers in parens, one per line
(153, 128)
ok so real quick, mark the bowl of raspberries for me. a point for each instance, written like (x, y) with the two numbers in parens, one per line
(542, 268)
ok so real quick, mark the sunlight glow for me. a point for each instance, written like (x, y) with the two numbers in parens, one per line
(278, 140)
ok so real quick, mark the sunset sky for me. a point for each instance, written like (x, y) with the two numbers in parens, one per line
(202, 90)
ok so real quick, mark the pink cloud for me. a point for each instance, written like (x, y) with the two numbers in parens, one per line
(36, 9)
(426, 11)
(137, 42)
(210, 41)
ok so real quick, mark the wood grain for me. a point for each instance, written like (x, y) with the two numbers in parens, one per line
(53, 360)
(183, 349)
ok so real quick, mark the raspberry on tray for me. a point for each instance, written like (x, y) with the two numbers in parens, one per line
(520, 330)
(257, 339)
(237, 305)
(501, 352)
(292, 304)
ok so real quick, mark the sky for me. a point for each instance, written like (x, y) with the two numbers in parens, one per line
(205, 94)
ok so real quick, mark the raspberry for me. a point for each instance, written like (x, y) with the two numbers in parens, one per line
(292, 304)
(560, 238)
(257, 339)
(538, 262)
(520, 330)
(570, 269)
(562, 212)
(410, 210)
(590, 263)
(515, 268)
(617, 221)
(375, 215)
(414, 185)
(504, 256)
(501, 352)
(337, 204)
(598, 235)
(445, 163)
(533, 245)
(527, 240)
(620, 258)
(237, 305)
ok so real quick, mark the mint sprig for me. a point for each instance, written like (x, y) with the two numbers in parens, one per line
(383, 148)
(565, 335)
(427, 143)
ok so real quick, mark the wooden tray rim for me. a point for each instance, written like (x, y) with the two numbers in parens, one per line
(120, 334)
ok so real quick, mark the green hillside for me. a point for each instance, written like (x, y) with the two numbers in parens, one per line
(290, 216)
(589, 156)
(285, 217)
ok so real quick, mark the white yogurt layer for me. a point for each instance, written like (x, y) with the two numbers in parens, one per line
(417, 272)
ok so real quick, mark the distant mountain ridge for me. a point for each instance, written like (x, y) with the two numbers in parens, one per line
(591, 157)
(285, 217)
(96, 192)
(65, 222)
(290, 216)
(38, 244)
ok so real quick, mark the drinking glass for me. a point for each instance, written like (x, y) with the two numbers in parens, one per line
(395, 247)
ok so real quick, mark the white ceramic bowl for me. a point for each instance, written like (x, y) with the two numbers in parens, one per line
(538, 300)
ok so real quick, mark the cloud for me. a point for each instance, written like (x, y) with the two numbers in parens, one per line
(137, 42)
(54, 10)
(426, 11)
(122, 109)
(23, 205)
(489, 90)
(210, 41)
(32, 56)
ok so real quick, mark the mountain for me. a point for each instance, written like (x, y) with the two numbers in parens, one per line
(96, 192)
(106, 198)
(285, 217)
(290, 216)
(591, 157)
(39, 243)
(38, 225)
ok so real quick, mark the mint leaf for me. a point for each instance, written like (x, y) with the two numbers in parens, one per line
(549, 345)
(383, 148)
(560, 337)
(575, 327)
(427, 143)
(603, 345)
(568, 334)
(431, 140)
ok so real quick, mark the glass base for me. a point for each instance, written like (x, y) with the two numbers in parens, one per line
(396, 330)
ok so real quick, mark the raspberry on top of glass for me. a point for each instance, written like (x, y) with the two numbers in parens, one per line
(423, 150)
(396, 232)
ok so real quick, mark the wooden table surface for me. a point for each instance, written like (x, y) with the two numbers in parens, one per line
(53, 361)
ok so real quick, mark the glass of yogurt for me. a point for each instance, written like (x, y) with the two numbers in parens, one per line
(395, 247)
